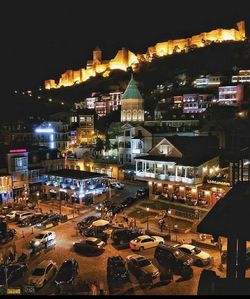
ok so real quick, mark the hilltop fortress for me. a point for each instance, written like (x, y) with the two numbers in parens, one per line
(125, 58)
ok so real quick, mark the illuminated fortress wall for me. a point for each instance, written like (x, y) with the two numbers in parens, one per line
(125, 58)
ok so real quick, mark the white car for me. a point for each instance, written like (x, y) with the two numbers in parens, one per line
(145, 242)
(43, 273)
(25, 215)
(200, 258)
(117, 185)
(12, 215)
(43, 239)
(95, 242)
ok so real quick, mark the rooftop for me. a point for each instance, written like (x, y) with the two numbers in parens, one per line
(132, 91)
(75, 174)
(191, 160)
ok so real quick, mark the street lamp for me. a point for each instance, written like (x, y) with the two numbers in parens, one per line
(170, 222)
(147, 209)
(37, 195)
(25, 197)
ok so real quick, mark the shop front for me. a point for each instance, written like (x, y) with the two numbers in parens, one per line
(74, 186)
(212, 192)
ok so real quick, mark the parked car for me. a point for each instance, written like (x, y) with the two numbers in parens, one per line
(14, 272)
(115, 208)
(7, 236)
(43, 239)
(117, 185)
(87, 221)
(5, 210)
(34, 219)
(96, 242)
(11, 216)
(67, 273)
(173, 259)
(145, 242)
(200, 258)
(48, 220)
(105, 204)
(124, 235)
(128, 202)
(116, 271)
(92, 231)
(142, 267)
(24, 216)
(141, 193)
(43, 273)
(89, 246)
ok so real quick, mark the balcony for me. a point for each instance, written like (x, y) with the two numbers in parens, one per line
(169, 177)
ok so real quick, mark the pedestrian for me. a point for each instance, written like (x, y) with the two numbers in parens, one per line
(131, 223)
(94, 288)
(101, 287)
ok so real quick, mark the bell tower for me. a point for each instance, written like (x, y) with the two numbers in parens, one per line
(132, 103)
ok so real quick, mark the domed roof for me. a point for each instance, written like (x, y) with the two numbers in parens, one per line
(132, 92)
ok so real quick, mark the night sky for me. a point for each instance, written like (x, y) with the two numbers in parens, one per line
(42, 39)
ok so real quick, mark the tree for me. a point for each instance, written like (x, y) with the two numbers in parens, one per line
(99, 145)
(107, 144)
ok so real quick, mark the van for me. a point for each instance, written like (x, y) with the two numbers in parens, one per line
(23, 215)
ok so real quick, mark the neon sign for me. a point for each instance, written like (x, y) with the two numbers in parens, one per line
(21, 150)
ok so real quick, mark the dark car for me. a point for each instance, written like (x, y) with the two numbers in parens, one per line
(174, 260)
(128, 202)
(88, 248)
(117, 273)
(105, 204)
(97, 232)
(32, 220)
(7, 236)
(115, 208)
(14, 272)
(87, 221)
(49, 220)
(124, 235)
(141, 193)
(67, 273)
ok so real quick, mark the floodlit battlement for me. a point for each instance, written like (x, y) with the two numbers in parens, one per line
(125, 58)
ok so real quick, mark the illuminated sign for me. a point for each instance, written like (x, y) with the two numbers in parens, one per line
(20, 150)
(14, 291)
(218, 183)
(44, 130)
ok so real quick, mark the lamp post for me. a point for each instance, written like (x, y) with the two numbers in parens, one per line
(147, 209)
(169, 213)
(25, 197)
(37, 196)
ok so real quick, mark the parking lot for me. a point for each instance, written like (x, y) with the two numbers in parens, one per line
(95, 268)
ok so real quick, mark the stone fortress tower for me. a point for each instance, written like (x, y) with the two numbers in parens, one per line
(97, 56)
(132, 103)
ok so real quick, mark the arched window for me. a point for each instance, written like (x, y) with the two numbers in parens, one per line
(134, 114)
(128, 115)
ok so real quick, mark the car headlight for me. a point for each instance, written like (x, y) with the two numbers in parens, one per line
(37, 243)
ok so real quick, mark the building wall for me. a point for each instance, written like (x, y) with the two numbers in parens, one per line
(132, 110)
